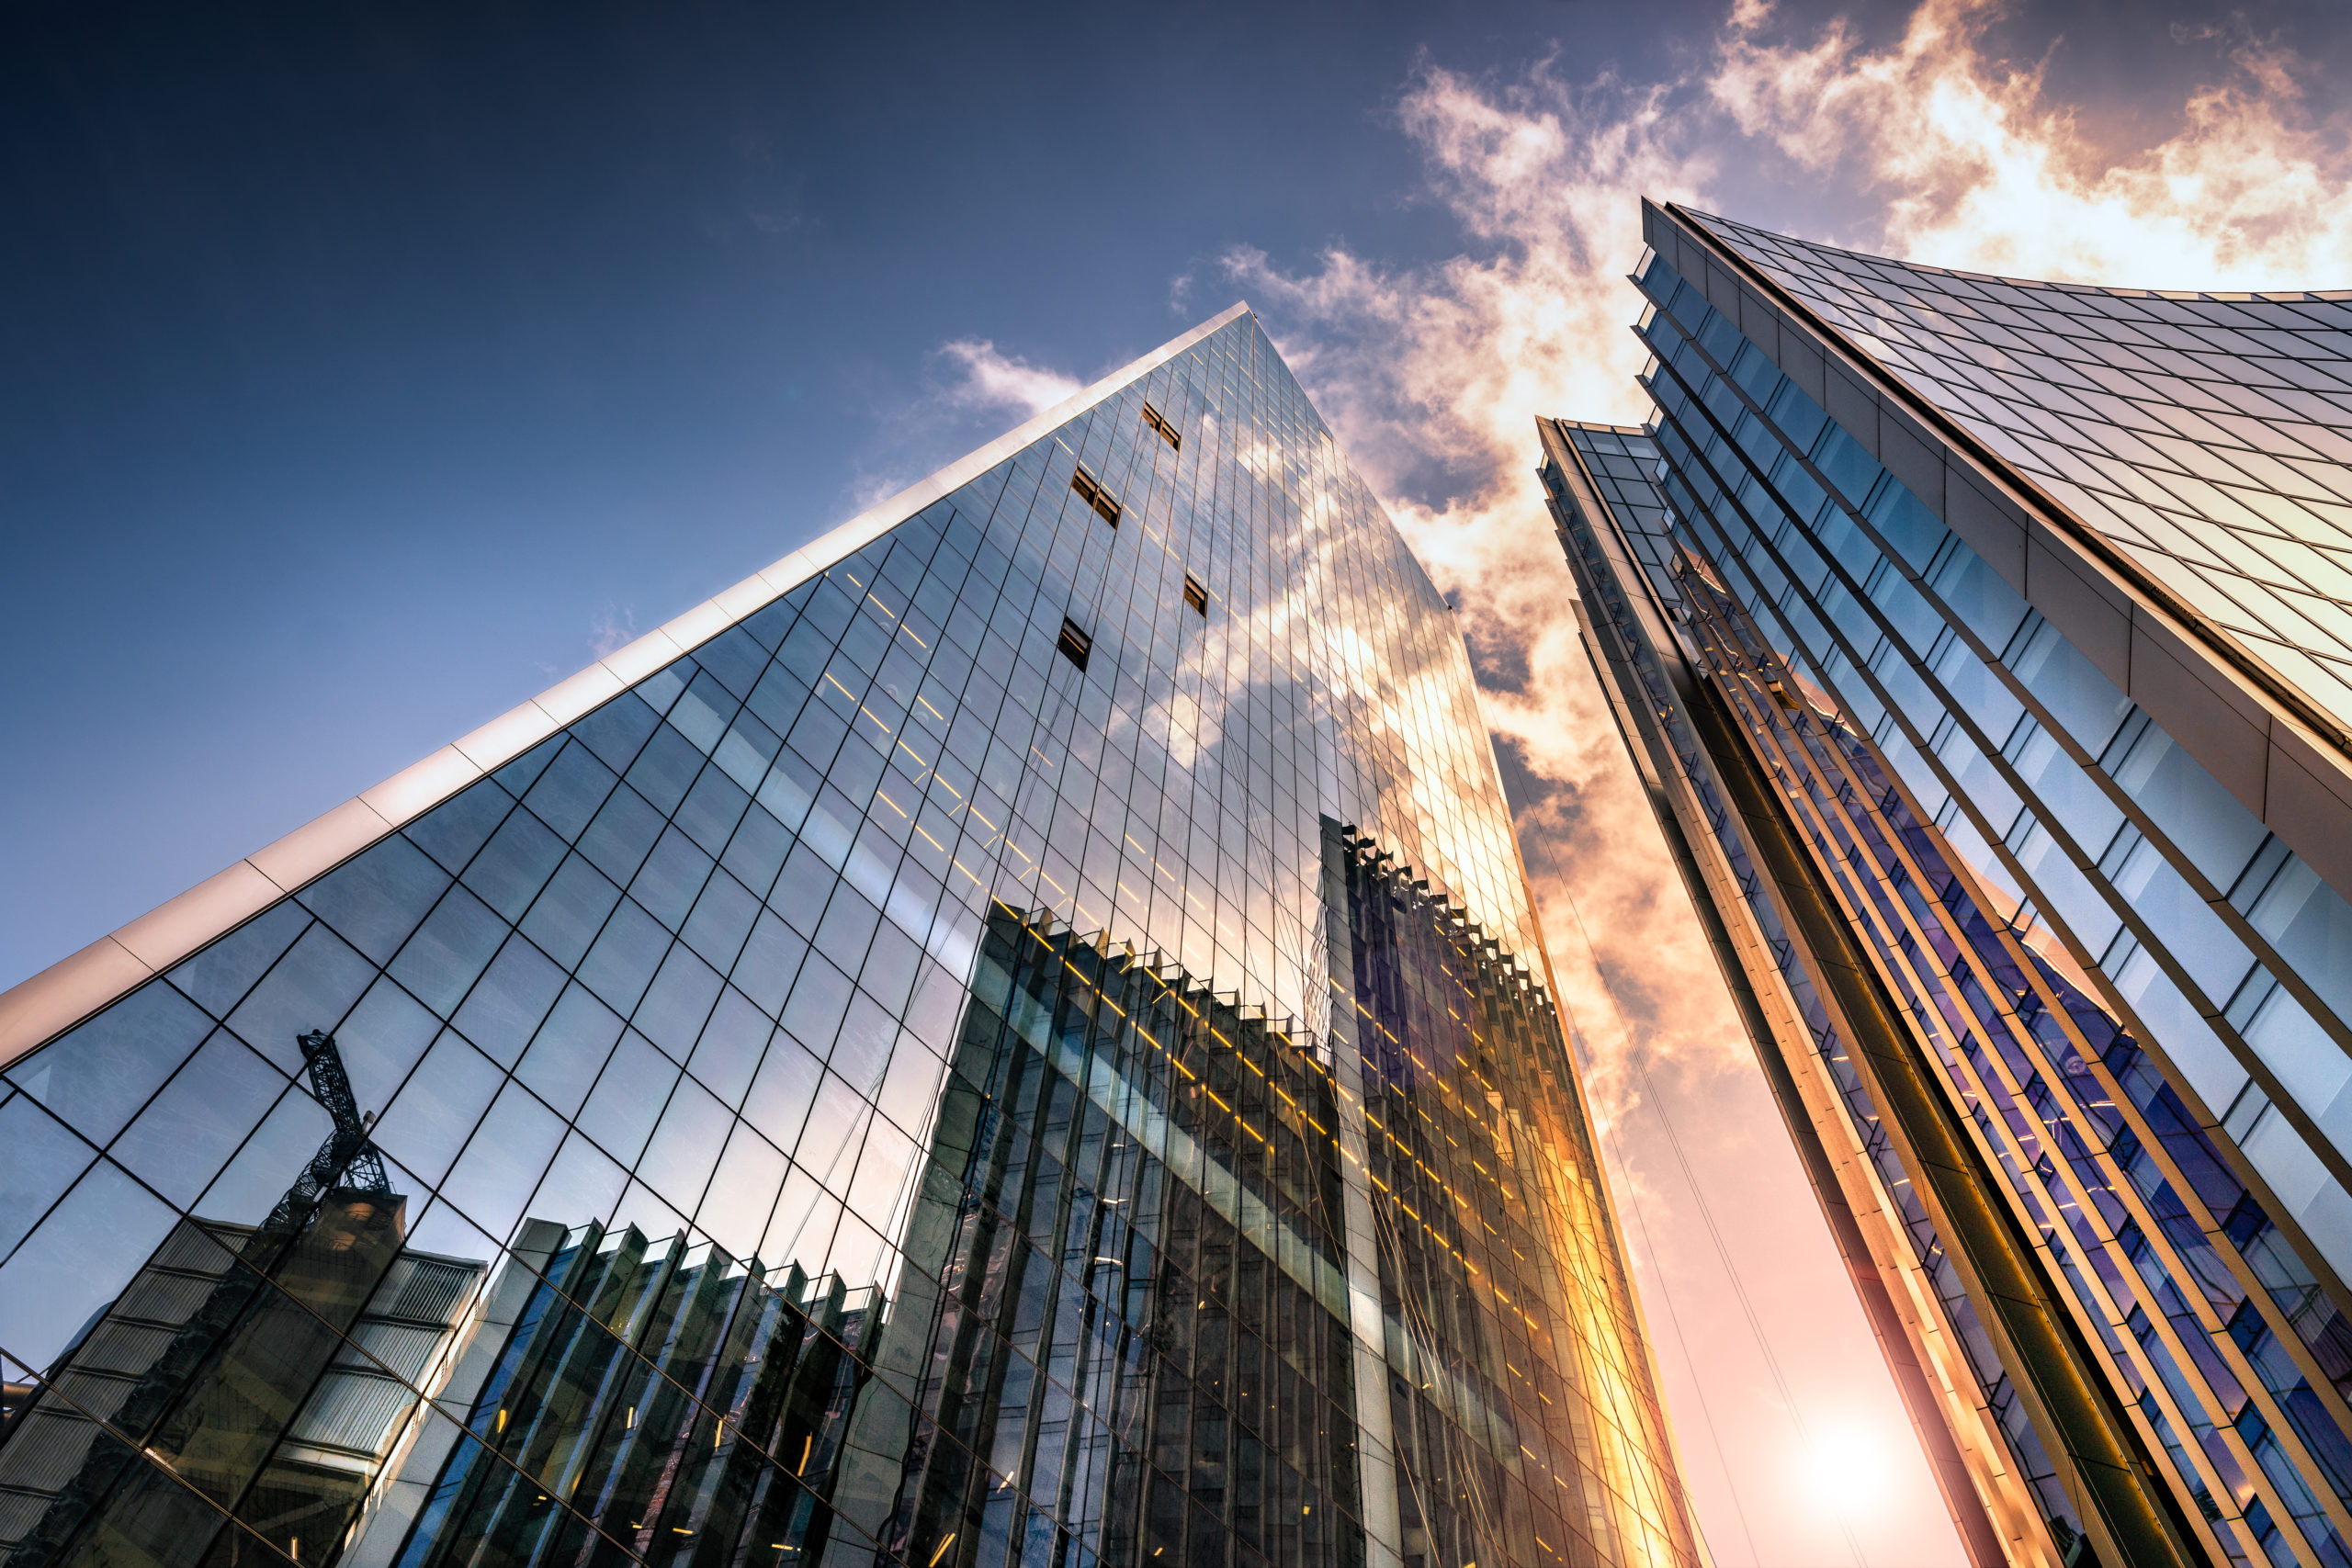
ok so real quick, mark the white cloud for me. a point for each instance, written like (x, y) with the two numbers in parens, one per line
(967, 385)
(987, 381)
(614, 628)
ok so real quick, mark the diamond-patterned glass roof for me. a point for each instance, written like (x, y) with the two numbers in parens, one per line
(2207, 435)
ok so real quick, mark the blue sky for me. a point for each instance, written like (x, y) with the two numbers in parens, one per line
(361, 363)
(365, 369)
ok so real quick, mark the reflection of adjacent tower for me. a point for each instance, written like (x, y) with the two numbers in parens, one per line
(1161, 1305)
(220, 1361)
(1524, 1413)
(688, 1413)
(1139, 1351)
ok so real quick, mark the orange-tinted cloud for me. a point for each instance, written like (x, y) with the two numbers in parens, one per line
(1433, 378)
(1981, 170)
(1432, 375)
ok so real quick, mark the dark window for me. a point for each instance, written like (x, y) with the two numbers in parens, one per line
(1196, 597)
(1159, 422)
(1075, 643)
(1090, 491)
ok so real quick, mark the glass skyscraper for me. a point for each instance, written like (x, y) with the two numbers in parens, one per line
(1984, 646)
(1014, 1037)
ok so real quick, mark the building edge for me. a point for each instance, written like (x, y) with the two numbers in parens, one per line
(1574, 1076)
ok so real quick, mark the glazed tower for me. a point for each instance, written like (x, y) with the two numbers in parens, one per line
(1984, 646)
(1015, 1035)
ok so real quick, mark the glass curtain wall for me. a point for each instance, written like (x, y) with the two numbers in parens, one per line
(2123, 987)
(585, 1170)
(1602, 486)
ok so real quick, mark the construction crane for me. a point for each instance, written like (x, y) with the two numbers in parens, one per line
(347, 1161)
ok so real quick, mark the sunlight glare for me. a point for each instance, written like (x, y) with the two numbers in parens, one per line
(1847, 1466)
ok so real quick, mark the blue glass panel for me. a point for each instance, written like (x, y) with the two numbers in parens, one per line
(218, 976)
(98, 1076)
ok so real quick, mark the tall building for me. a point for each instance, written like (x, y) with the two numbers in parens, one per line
(1984, 647)
(1015, 1036)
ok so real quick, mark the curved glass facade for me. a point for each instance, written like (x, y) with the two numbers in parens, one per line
(2206, 436)
(2126, 991)
(909, 1074)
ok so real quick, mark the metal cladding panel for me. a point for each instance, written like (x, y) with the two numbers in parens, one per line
(676, 1007)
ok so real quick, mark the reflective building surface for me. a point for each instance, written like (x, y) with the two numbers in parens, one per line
(1015, 1036)
(1976, 641)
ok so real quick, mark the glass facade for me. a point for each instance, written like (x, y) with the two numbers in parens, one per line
(2209, 436)
(1027, 1044)
(2068, 1019)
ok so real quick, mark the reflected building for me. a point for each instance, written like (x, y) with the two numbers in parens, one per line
(1981, 645)
(1015, 1036)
